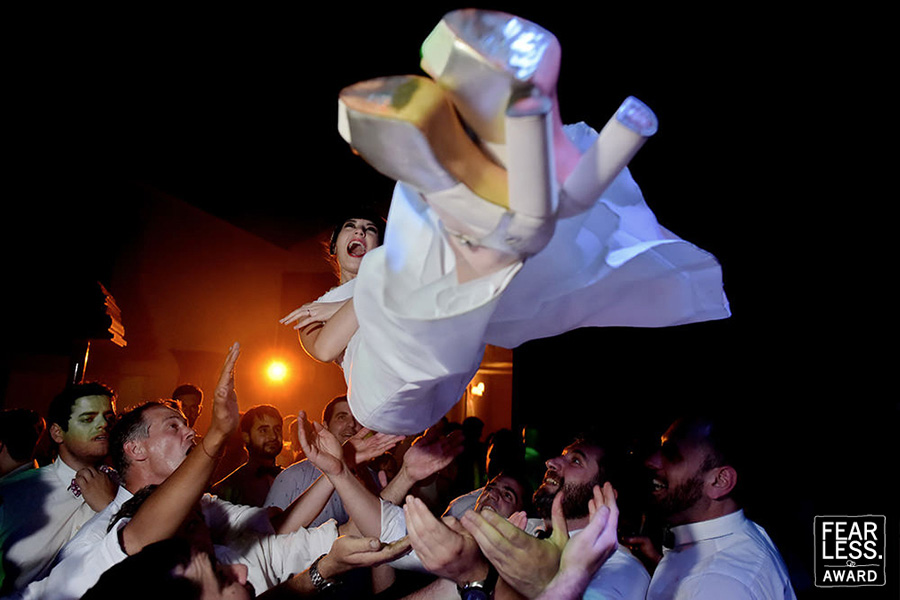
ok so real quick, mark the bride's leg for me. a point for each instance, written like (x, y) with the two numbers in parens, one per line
(531, 191)
(618, 142)
(406, 128)
(485, 59)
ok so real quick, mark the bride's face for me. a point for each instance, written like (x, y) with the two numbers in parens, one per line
(355, 238)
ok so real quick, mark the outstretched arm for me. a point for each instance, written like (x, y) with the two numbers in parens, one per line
(586, 552)
(164, 511)
(443, 546)
(556, 567)
(324, 450)
(525, 562)
(306, 507)
(429, 453)
(366, 445)
(347, 553)
(325, 327)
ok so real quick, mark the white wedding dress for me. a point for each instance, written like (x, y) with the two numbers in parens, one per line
(421, 334)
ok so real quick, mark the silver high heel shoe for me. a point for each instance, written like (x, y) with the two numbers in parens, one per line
(486, 59)
(407, 129)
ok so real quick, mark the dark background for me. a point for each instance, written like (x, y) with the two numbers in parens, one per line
(773, 147)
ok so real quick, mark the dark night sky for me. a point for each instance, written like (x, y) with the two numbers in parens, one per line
(766, 154)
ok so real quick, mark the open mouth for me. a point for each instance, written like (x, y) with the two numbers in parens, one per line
(658, 485)
(552, 479)
(356, 249)
(100, 438)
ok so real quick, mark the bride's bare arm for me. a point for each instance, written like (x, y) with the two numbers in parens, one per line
(324, 337)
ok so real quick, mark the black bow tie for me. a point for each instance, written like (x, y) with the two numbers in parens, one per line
(668, 538)
(266, 470)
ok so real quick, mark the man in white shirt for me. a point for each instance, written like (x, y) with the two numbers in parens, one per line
(44, 508)
(152, 445)
(526, 564)
(716, 552)
(157, 435)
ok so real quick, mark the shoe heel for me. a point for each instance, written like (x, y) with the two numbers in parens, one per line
(528, 225)
(484, 59)
(618, 142)
(407, 129)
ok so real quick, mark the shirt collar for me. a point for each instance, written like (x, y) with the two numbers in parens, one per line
(123, 495)
(63, 471)
(707, 530)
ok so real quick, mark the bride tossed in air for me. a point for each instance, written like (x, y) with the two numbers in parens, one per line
(505, 226)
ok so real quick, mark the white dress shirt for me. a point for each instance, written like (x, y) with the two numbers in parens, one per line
(94, 549)
(40, 515)
(421, 333)
(728, 557)
(621, 577)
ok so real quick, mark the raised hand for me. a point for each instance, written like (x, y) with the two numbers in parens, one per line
(587, 551)
(351, 552)
(162, 513)
(428, 454)
(444, 546)
(363, 447)
(225, 412)
(525, 562)
(431, 452)
(320, 446)
(596, 542)
(519, 519)
(312, 312)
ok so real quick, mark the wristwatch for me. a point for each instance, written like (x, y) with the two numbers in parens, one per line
(320, 582)
(480, 590)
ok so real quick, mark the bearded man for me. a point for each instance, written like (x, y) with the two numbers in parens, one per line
(582, 465)
(249, 484)
(525, 564)
(42, 509)
(714, 551)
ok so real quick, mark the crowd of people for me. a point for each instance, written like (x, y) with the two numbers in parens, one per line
(504, 227)
(131, 502)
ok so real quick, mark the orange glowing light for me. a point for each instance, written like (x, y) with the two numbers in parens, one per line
(277, 371)
(478, 389)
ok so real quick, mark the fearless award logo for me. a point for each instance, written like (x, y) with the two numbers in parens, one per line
(850, 551)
